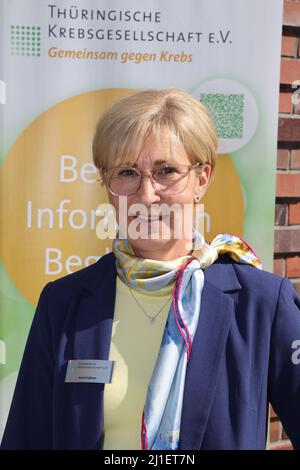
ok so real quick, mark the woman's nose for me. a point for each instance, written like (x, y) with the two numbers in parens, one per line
(147, 192)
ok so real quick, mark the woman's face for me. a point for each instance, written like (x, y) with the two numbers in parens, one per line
(154, 154)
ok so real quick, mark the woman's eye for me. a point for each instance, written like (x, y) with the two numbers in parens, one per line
(127, 172)
(167, 170)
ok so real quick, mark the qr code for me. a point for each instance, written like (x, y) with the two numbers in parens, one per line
(227, 112)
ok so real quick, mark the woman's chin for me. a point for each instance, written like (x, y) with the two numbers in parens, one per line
(151, 245)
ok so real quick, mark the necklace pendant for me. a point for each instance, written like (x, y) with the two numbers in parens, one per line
(151, 319)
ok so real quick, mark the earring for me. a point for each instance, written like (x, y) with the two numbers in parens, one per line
(197, 198)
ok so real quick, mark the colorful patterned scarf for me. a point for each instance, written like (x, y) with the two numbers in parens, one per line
(185, 279)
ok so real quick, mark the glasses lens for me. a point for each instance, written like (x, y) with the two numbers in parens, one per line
(123, 180)
(172, 179)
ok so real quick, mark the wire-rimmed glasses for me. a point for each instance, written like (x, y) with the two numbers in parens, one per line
(169, 178)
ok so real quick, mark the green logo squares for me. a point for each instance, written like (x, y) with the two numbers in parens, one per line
(32, 40)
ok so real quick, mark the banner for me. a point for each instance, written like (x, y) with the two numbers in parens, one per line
(61, 66)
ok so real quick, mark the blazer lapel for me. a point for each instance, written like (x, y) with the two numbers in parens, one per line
(217, 309)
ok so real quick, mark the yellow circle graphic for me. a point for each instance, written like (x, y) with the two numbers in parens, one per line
(49, 195)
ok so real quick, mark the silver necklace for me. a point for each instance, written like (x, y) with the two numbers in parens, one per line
(151, 318)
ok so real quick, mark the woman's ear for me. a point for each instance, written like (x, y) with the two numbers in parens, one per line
(203, 179)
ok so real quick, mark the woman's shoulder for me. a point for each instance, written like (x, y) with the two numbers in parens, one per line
(250, 278)
(257, 293)
(89, 277)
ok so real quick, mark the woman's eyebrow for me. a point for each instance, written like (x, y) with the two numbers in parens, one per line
(158, 162)
(162, 161)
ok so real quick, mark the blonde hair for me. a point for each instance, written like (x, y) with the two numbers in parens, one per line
(124, 126)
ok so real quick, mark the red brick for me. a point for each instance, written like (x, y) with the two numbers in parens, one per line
(295, 160)
(291, 13)
(285, 102)
(294, 213)
(275, 430)
(288, 185)
(287, 240)
(293, 266)
(282, 159)
(289, 46)
(289, 129)
(289, 70)
(279, 269)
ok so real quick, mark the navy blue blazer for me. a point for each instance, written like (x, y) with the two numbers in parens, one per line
(241, 359)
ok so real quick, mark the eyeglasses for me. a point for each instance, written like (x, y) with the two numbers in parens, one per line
(169, 178)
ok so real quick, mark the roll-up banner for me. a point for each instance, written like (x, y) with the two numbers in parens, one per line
(61, 65)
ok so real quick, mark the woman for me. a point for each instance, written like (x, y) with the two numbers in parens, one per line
(201, 337)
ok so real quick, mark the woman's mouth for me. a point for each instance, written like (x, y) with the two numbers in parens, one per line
(149, 219)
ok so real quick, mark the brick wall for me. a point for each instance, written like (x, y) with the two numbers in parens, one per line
(287, 213)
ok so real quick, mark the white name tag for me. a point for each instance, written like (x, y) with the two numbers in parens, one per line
(89, 370)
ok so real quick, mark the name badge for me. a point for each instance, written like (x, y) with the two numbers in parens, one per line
(89, 370)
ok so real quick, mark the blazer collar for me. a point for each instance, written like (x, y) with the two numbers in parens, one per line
(221, 275)
(91, 278)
